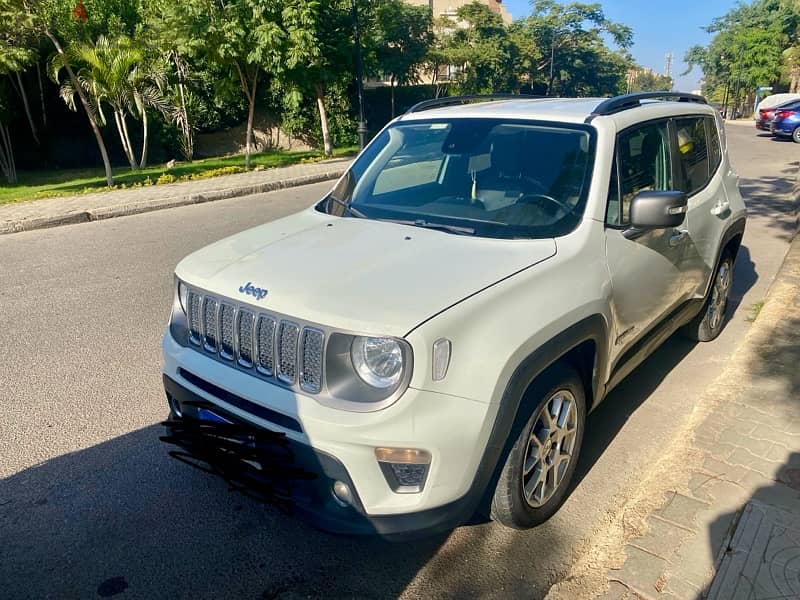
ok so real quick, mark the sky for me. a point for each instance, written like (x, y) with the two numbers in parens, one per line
(658, 27)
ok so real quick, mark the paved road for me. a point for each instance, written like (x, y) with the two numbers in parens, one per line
(90, 504)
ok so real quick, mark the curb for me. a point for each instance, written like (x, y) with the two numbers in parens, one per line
(135, 208)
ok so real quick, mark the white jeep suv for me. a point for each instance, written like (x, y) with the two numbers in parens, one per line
(424, 343)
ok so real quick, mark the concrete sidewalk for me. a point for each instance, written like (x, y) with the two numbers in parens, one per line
(51, 212)
(719, 516)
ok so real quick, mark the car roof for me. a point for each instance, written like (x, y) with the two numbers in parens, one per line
(565, 110)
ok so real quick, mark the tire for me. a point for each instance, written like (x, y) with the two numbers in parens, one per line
(515, 505)
(796, 135)
(708, 324)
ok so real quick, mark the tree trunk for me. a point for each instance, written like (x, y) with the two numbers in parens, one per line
(188, 137)
(41, 94)
(391, 85)
(7, 156)
(134, 164)
(122, 129)
(186, 126)
(323, 121)
(250, 118)
(143, 162)
(27, 108)
(92, 121)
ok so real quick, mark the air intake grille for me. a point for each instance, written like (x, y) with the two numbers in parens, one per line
(311, 375)
(210, 324)
(245, 332)
(226, 320)
(195, 318)
(261, 344)
(266, 345)
(287, 352)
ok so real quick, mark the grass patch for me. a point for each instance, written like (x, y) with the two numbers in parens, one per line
(68, 182)
(755, 310)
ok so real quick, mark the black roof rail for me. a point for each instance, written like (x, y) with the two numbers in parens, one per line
(620, 103)
(447, 100)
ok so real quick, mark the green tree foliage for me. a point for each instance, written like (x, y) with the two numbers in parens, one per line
(563, 47)
(647, 81)
(199, 65)
(749, 48)
(402, 38)
(478, 46)
(318, 56)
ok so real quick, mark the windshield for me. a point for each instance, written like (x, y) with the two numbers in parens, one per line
(482, 177)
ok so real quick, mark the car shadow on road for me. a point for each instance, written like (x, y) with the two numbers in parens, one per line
(101, 520)
(767, 197)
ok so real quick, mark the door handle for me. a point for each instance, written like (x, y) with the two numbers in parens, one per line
(678, 235)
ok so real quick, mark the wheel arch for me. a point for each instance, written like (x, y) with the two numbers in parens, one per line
(583, 346)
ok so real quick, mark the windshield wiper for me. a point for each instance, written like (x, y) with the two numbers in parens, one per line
(348, 208)
(437, 226)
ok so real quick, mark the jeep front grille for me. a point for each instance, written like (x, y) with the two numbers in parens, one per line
(264, 345)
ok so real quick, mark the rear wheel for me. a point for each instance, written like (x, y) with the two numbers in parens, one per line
(796, 135)
(708, 324)
(540, 466)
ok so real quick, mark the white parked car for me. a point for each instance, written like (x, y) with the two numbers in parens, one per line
(425, 342)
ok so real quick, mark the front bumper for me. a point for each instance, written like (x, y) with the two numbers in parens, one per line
(293, 476)
(335, 445)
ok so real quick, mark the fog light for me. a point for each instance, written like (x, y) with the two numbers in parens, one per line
(342, 493)
(175, 406)
(405, 469)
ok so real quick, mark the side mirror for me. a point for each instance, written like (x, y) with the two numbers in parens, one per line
(658, 210)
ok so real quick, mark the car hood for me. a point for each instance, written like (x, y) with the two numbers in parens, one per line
(356, 274)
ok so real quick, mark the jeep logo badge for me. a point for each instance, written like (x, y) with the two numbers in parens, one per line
(257, 292)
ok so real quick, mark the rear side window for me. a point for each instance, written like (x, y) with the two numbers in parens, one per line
(714, 149)
(693, 164)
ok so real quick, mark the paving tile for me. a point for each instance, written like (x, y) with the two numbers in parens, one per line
(680, 588)
(715, 448)
(717, 467)
(662, 538)
(764, 432)
(783, 455)
(681, 509)
(747, 459)
(764, 557)
(727, 496)
(735, 439)
(617, 591)
(740, 427)
(641, 570)
(694, 561)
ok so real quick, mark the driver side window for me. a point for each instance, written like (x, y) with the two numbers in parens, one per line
(643, 157)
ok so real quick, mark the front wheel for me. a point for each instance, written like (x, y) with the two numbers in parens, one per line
(707, 325)
(539, 468)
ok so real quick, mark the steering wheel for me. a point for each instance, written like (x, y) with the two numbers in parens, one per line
(533, 198)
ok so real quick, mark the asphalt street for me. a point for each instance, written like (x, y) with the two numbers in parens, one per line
(90, 504)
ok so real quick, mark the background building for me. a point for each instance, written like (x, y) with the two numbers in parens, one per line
(448, 8)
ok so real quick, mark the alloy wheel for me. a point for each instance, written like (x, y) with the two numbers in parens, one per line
(719, 295)
(550, 448)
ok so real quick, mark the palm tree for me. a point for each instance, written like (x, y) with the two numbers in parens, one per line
(115, 72)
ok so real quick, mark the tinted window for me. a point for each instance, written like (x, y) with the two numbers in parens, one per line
(490, 177)
(714, 150)
(692, 153)
(644, 163)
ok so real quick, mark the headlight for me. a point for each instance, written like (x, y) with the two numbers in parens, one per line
(183, 296)
(378, 361)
